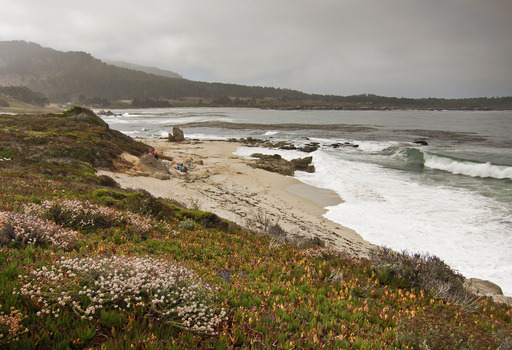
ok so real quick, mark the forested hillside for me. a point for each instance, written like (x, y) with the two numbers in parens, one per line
(79, 78)
(151, 70)
(75, 76)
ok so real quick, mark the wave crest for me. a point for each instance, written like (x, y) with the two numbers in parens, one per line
(462, 167)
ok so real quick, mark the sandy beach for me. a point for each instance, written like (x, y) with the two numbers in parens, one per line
(225, 184)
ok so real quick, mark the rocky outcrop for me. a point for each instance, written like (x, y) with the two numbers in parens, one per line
(277, 164)
(487, 288)
(482, 287)
(177, 135)
(274, 163)
(153, 167)
(303, 164)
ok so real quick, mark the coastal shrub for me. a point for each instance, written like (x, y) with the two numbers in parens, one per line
(259, 222)
(187, 225)
(95, 287)
(276, 231)
(428, 330)
(204, 218)
(11, 326)
(84, 215)
(23, 229)
(107, 181)
(427, 272)
(144, 203)
(108, 197)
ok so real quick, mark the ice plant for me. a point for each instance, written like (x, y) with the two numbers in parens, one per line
(168, 292)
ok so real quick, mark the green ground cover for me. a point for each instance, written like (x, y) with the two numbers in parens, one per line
(84, 264)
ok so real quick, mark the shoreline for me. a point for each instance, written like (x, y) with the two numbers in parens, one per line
(226, 185)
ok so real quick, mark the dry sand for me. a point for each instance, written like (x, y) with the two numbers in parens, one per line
(225, 184)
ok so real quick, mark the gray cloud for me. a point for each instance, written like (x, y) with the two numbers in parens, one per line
(412, 48)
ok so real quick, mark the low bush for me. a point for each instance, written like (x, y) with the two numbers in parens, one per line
(84, 215)
(421, 271)
(108, 197)
(94, 287)
(428, 330)
(187, 225)
(19, 229)
(11, 326)
(206, 219)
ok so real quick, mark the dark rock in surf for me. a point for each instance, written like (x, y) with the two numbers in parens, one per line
(310, 147)
(345, 144)
(303, 164)
(421, 142)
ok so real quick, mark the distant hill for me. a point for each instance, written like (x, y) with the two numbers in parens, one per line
(150, 70)
(78, 77)
(24, 94)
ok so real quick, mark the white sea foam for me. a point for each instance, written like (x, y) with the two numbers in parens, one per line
(467, 168)
(200, 136)
(469, 232)
(368, 146)
(271, 133)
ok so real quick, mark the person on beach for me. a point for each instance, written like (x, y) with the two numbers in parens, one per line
(154, 154)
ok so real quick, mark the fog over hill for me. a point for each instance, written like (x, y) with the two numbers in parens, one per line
(150, 70)
(78, 77)
(69, 76)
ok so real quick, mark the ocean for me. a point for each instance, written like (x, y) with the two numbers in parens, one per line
(437, 182)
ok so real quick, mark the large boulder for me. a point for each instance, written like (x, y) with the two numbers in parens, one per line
(154, 167)
(274, 163)
(177, 135)
(303, 164)
(483, 287)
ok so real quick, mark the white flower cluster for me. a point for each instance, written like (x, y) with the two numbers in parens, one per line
(77, 214)
(27, 229)
(166, 291)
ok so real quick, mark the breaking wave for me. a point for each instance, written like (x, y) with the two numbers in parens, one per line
(464, 167)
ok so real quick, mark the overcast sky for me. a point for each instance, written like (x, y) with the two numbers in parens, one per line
(409, 48)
